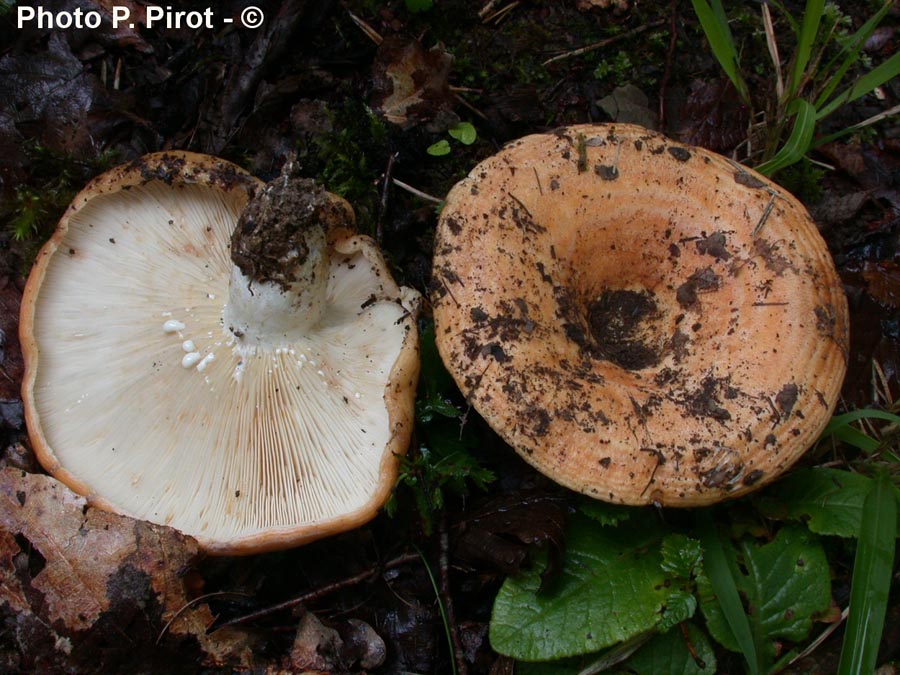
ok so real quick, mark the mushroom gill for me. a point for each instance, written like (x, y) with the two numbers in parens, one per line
(254, 403)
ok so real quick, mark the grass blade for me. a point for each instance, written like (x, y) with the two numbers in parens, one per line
(883, 72)
(718, 34)
(871, 583)
(809, 29)
(850, 53)
(844, 419)
(840, 428)
(798, 143)
(869, 121)
(716, 566)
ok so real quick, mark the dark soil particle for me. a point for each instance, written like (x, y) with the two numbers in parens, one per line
(714, 245)
(272, 236)
(702, 281)
(615, 320)
(786, 399)
(681, 154)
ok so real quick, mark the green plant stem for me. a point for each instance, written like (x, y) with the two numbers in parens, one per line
(443, 610)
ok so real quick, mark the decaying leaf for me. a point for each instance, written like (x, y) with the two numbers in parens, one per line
(74, 577)
(321, 648)
(11, 363)
(501, 533)
(714, 117)
(410, 82)
(630, 105)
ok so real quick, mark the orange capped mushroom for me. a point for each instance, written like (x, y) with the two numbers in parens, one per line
(243, 373)
(643, 321)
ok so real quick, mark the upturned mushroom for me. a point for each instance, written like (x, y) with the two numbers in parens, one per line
(217, 355)
(643, 321)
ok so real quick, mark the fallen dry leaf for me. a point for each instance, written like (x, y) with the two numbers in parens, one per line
(410, 83)
(501, 533)
(75, 577)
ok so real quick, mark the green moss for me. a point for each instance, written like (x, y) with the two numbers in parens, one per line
(803, 179)
(348, 159)
(54, 180)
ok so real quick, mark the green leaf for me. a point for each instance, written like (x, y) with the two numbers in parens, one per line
(666, 654)
(718, 34)
(798, 143)
(418, 5)
(785, 584)
(439, 149)
(850, 53)
(464, 132)
(876, 77)
(669, 654)
(871, 584)
(680, 606)
(726, 618)
(608, 515)
(611, 588)
(809, 28)
(681, 555)
(829, 500)
(840, 428)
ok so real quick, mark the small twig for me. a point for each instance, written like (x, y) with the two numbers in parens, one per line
(447, 597)
(772, 44)
(370, 32)
(604, 43)
(670, 58)
(418, 193)
(497, 16)
(468, 105)
(385, 195)
(321, 592)
(819, 640)
(765, 214)
(190, 604)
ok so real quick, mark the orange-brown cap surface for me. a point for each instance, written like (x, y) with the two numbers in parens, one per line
(643, 321)
(141, 396)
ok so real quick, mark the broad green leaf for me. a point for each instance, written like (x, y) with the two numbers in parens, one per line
(439, 149)
(809, 28)
(829, 500)
(871, 583)
(785, 583)
(608, 515)
(666, 654)
(718, 34)
(680, 606)
(681, 555)
(798, 143)
(464, 132)
(611, 588)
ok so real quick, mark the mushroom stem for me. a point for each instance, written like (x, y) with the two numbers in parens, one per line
(281, 253)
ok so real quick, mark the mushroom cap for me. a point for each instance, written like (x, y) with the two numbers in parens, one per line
(138, 397)
(643, 321)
